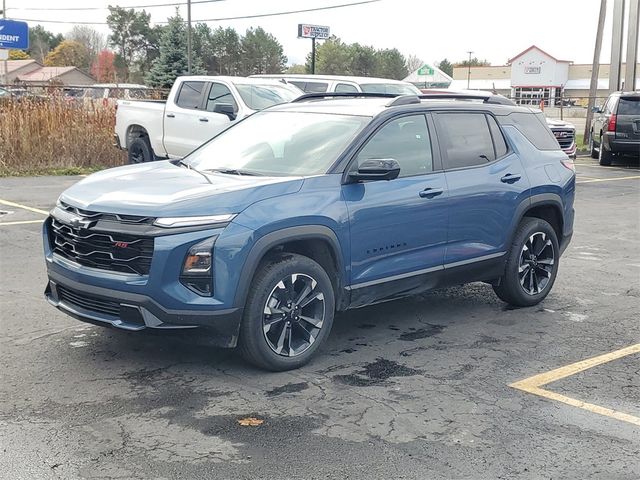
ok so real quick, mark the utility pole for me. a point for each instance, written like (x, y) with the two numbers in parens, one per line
(313, 55)
(6, 64)
(469, 70)
(595, 69)
(631, 69)
(189, 61)
(616, 46)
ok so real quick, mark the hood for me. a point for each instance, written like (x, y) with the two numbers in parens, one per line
(552, 122)
(163, 189)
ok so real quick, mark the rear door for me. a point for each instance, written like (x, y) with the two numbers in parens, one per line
(486, 183)
(181, 116)
(628, 118)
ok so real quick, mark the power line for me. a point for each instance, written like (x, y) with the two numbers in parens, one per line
(152, 5)
(261, 15)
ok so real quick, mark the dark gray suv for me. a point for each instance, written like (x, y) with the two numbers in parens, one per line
(615, 128)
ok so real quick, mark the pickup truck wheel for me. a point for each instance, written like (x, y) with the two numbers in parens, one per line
(592, 147)
(532, 264)
(288, 314)
(139, 151)
(604, 156)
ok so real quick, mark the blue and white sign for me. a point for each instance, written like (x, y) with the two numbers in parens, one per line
(14, 34)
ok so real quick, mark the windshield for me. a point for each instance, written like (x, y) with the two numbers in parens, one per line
(259, 97)
(395, 88)
(279, 144)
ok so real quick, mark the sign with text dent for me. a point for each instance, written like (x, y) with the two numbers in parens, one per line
(14, 34)
(313, 31)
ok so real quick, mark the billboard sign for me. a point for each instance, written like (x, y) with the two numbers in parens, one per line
(14, 34)
(313, 31)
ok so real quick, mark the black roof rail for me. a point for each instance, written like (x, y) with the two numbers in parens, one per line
(321, 95)
(492, 99)
(404, 100)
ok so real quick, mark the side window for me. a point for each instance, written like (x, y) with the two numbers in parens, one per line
(346, 88)
(316, 87)
(189, 95)
(498, 140)
(534, 127)
(610, 105)
(404, 139)
(298, 83)
(220, 94)
(465, 139)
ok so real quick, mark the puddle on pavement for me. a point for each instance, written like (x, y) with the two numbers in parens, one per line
(376, 373)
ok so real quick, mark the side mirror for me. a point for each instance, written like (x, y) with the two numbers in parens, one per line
(376, 169)
(596, 109)
(225, 109)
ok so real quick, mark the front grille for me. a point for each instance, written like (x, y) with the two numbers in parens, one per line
(104, 250)
(114, 217)
(565, 137)
(88, 302)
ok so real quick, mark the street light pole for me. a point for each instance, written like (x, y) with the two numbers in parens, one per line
(469, 70)
(6, 64)
(188, 36)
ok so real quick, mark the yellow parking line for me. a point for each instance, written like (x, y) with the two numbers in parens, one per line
(22, 222)
(610, 179)
(533, 384)
(24, 207)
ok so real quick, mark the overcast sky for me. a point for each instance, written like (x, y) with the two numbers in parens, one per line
(431, 29)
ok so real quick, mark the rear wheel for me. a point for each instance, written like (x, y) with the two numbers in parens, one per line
(592, 147)
(532, 264)
(288, 314)
(605, 157)
(139, 150)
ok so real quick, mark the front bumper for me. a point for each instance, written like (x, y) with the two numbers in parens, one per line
(134, 312)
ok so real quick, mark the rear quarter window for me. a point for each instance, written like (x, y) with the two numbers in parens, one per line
(533, 126)
(189, 94)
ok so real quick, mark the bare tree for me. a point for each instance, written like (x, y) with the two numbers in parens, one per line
(414, 63)
(89, 37)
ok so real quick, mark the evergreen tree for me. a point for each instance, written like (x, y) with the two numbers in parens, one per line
(172, 61)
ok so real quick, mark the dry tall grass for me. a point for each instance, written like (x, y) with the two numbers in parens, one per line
(44, 135)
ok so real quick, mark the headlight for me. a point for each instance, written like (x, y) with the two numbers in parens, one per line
(197, 269)
(175, 222)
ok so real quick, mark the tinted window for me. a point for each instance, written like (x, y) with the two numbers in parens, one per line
(407, 141)
(629, 106)
(610, 105)
(534, 127)
(189, 95)
(465, 138)
(315, 87)
(394, 88)
(345, 87)
(498, 140)
(220, 94)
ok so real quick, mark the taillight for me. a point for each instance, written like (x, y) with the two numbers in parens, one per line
(568, 163)
(611, 127)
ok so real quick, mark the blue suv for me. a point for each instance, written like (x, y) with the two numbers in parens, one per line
(259, 236)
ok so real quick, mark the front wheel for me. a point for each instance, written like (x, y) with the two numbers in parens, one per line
(592, 147)
(532, 264)
(288, 314)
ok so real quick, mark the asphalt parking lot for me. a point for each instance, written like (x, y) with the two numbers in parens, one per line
(452, 384)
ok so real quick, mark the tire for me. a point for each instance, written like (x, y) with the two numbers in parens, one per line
(296, 332)
(139, 150)
(592, 147)
(517, 287)
(604, 156)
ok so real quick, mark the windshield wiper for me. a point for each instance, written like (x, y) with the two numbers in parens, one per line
(189, 167)
(233, 171)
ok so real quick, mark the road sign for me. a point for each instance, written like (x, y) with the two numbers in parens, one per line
(14, 34)
(313, 31)
(425, 70)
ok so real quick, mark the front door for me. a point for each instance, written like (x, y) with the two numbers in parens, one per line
(398, 227)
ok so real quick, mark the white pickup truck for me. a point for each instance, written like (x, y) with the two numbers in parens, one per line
(198, 107)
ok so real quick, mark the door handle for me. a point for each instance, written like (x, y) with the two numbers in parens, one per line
(510, 178)
(171, 115)
(431, 192)
(203, 119)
